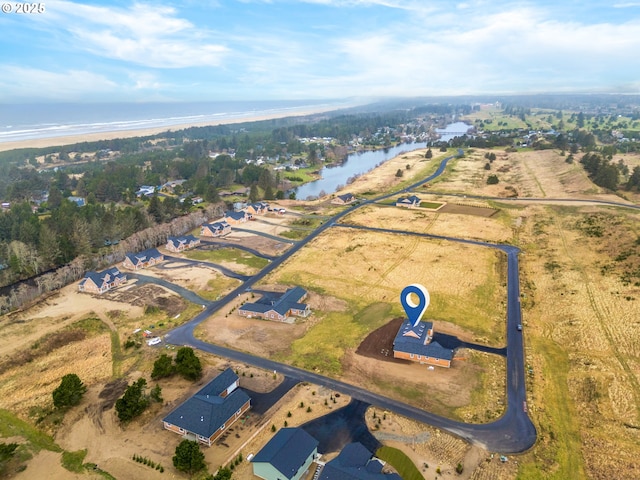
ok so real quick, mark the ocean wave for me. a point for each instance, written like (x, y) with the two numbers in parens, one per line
(46, 129)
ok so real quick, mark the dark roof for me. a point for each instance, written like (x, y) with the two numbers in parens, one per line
(286, 302)
(99, 277)
(287, 451)
(207, 411)
(182, 239)
(235, 215)
(355, 462)
(416, 345)
(346, 197)
(412, 199)
(143, 256)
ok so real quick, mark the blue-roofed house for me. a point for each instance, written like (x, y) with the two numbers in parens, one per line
(179, 244)
(287, 456)
(257, 208)
(234, 218)
(146, 258)
(100, 282)
(344, 199)
(216, 229)
(286, 305)
(416, 344)
(355, 462)
(408, 202)
(79, 201)
(213, 409)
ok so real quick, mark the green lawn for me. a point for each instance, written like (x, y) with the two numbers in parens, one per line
(431, 205)
(12, 426)
(403, 464)
(322, 348)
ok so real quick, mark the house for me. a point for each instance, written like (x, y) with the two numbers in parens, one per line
(408, 202)
(79, 201)
(213, 409)
(344, 199)
(216, 229)
(146, 190)
(287, 305)
(171, 185)
(355, 462)
(146, 258)
(233, 218)
(259, 208)
(287, 456)
(415, 343)
(179, 244)
(100, 282)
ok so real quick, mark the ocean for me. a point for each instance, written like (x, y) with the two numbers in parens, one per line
(36, 121)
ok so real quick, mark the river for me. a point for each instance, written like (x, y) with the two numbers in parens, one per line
(359, 163)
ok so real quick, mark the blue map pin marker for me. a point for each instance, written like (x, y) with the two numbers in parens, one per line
(413, 310)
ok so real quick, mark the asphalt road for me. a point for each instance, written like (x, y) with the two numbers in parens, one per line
(513, 432)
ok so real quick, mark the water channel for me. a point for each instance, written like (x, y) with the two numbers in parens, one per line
(362, 162)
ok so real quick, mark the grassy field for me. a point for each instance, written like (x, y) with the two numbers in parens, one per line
(380, 265)
(323, 347)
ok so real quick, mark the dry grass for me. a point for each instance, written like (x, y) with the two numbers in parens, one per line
(495, 229)
(463, 281)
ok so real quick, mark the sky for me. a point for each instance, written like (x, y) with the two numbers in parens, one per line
(196, 50)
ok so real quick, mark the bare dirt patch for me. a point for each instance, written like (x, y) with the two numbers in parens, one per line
(264, 245)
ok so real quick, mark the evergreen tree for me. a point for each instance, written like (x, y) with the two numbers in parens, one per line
(69, 392)
(188, 457)
(162, 367)
(133, 402)
(187, 364)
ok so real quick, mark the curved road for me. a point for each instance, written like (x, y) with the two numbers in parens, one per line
(511, 433)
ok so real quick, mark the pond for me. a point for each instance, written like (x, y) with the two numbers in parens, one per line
(359, 163)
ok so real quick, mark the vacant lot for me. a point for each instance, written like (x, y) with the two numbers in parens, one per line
(537, 174)
(457, 224)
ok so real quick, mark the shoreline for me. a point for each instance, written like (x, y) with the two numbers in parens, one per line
(111, 135)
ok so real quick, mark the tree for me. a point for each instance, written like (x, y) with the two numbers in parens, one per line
(188, 457)
(69, 392)
(187, 364)
(133, 402)
(492, 180)
(253, 194)
(429, 154)
(156, 394)
(223, 474)
(163, 367)
(399, 173)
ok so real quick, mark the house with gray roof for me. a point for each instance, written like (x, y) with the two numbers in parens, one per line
(355, 462)
(408, 202)
(233, 218)
(287, 456)
(143, 259)
(100, 282)
(180, 244)
(344, 199)
(216, 229)
(205, 416)
(415, 343)
(274, 307)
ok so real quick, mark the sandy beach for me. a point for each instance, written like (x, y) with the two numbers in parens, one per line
(91, 137)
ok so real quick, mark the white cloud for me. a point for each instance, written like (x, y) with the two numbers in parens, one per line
(143, 34)
(32, 84)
